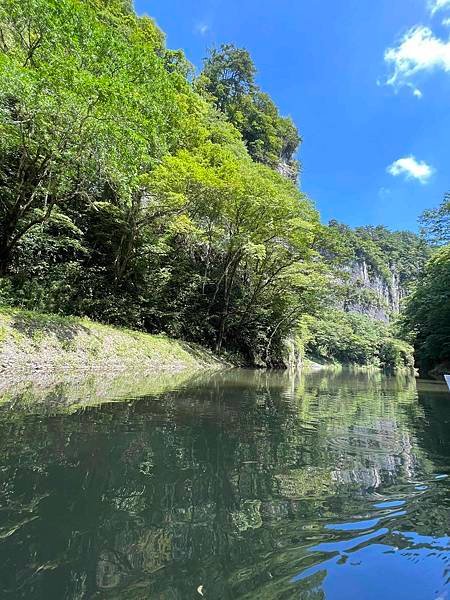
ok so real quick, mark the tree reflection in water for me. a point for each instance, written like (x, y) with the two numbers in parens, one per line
(232, 485)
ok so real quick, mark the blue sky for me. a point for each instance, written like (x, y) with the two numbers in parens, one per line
(367, 83)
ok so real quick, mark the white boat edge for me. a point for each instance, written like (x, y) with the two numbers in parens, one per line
(447, 380)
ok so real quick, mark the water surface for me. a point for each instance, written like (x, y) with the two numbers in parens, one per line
(232, 485)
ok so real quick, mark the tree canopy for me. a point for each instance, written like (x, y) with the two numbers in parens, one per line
(228, 79)
(135, 194)
(129, 197)
(436, 223)
(427, 313)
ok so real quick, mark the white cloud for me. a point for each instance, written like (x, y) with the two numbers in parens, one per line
(446, 22)
(415, 91)
(435, 5)
(202, 28)
(419, 51)
(411, 169)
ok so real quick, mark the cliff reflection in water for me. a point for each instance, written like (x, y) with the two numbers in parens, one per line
(234, 485)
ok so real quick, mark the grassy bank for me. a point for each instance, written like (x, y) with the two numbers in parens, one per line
(66, 392)
(32, 342)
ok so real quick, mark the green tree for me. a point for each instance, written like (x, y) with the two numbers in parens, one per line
(228, 79)
(228, 75)
(343, 337)
(131, 194)
(436, 223)
(247, 235)
(85, 105)
(427, 313)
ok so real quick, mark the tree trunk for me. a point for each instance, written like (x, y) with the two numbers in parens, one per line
(228, 288)
(5, 246)
(5, 259)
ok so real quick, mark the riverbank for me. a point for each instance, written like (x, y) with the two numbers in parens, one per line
(33, 343)
(314, 363)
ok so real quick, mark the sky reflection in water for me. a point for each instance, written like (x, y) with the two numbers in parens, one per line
(241, 485)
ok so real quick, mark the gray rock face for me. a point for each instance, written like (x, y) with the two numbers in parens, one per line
(373, 293)
(288, 169)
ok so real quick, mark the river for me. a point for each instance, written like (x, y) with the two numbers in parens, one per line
(237, 484)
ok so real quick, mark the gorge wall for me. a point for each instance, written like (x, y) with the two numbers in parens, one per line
(372, 293)
(376, 268)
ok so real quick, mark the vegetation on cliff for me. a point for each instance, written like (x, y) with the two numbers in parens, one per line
(138, 195)
(426, 320)
(131, 198)
(345, 337)
(436, 223)
(374, 271)
(395, 257)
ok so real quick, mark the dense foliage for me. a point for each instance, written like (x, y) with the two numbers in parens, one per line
(426, 318)
(344, 337)
(385, 253)
(427, 314)
(129, 197)
(136, 194)
(436, 223)
(228, 79)
(374, 271)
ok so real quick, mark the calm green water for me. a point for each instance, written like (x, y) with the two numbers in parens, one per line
(235, 485)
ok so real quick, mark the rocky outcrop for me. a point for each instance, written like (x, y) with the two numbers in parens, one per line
(288, 169)
(373, 293)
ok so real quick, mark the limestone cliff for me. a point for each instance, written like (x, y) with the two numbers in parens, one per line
(373, 293)
(377, 267)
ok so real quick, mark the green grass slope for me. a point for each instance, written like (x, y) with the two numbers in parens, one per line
(35, 342)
